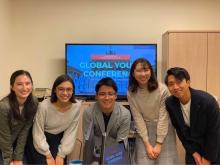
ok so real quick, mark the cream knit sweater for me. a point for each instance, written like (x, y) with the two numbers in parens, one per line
(150, 106)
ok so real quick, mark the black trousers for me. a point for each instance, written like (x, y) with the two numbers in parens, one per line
(33, 157)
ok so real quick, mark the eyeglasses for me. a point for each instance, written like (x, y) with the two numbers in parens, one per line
(62, 90)
(103, 94)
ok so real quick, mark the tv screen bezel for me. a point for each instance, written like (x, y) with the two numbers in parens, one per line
(119, 97)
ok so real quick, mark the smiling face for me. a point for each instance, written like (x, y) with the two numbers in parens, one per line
(22, 87)
(179, 88)
(142, 74)
(64, 92)
(106, 97)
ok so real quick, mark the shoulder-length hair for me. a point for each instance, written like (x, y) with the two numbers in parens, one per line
(30, 105)
(152, 82)
(58, 81)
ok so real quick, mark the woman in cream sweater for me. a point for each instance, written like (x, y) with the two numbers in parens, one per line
(56, 123)
(156, 141)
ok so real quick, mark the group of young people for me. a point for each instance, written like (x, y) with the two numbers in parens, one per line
(45, 132)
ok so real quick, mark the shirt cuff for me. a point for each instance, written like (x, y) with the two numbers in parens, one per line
(48, 153)
(61, 155)
(160, 138)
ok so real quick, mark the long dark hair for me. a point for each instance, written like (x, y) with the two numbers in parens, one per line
(152, 82)
(30, 105)
(58, 81)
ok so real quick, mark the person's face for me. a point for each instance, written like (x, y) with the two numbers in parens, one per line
(142, 74)
(106, 97)
(177, 87)
(22, 87)
(64, 91)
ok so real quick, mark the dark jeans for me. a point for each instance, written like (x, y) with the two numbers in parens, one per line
(33, 157)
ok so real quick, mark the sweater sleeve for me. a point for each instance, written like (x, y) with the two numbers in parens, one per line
(39, 138)
(21, 141)
(87, 123)
(5, 135)
(124, 128)
(162, 126)
(69, 136)
(138, 118)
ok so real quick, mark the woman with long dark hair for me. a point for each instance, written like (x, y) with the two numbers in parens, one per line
(17, 111)
(56, 123)
(156, 141)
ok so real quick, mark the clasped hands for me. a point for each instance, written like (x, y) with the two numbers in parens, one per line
(58, 161)
(153, 152)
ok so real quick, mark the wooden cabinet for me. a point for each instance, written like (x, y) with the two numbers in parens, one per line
(199, 53)
(213, 64)
(188, 50)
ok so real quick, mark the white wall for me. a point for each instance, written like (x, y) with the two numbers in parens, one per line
(5, 55)
(40, 28)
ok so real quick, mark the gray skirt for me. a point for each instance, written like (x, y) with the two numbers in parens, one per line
(168, 155)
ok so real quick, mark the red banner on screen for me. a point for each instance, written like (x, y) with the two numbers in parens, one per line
(110, 57)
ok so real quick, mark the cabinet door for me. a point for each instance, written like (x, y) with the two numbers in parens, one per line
(213, 75)
(189, 50)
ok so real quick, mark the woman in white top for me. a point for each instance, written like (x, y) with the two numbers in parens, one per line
(56, 123)
(156, 141)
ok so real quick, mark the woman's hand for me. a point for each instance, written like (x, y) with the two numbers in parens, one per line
(157, 149)
(50, 160)
(17, 162)
(59, 160)
(149, 150)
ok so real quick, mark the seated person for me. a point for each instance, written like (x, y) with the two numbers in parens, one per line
(105, 117)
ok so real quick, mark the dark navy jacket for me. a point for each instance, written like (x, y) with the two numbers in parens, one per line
(203, 135)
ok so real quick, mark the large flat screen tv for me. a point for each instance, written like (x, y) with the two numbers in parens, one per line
(88, 63)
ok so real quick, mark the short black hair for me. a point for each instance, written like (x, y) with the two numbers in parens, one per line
(107, 81)
(178, 73)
